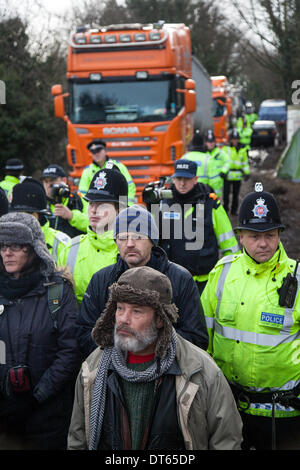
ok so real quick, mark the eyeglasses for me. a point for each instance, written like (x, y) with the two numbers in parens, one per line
(15, 247)
(132, 236)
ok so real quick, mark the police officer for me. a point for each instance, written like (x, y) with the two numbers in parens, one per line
(13, 170)
(220, 160)
(250, 115)
(68, 209)
(252, 307)
(29, 196)
(88, 253)
(245, 132)
(194, 210)
(238, 169)
(97, 148)
(206, 171)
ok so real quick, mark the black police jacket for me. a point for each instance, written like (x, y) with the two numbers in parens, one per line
(198, 260)
(190, 324)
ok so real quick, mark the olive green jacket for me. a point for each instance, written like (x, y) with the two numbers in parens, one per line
(207, 413)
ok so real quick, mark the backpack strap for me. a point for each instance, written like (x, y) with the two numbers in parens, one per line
(55, 293)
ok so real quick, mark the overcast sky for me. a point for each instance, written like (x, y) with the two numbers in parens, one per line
(40, 10)
(45, 15)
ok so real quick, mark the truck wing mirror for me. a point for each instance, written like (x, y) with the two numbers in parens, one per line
(56, 90)
(59, 106)
(190, 101)
(190, 84)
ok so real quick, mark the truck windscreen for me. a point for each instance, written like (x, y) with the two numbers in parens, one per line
(272, 113)
(218, 106)
(122, 101)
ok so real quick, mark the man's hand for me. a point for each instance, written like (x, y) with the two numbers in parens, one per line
(63, 212)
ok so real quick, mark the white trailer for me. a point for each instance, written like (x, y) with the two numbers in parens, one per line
(203, 116)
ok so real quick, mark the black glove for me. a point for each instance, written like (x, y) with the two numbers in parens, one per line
(246, 177)
(14, 380)
(19, 379)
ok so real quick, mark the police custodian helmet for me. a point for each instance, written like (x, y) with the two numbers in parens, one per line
(29, 196)
(259, 211)
(107, 185)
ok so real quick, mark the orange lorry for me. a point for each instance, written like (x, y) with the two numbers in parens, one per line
(130, 85)
(222, 110)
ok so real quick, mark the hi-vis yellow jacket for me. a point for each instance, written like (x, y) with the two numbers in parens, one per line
(254, 341)
(238, 163)
(85, 255)
(55, 240)
(92, 169)
(8, 183)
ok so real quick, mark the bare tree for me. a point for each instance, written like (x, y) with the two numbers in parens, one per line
(97, 13)
(273, 37)
(215, 41)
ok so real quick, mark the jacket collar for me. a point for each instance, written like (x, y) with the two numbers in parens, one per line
(104, 241)
(11, 179)
(158, 261)
(174, 369)
(276, 263)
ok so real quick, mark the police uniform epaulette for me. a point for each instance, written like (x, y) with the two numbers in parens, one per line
(228, 259)
(62, 237)
(77, 240)
(114, 161)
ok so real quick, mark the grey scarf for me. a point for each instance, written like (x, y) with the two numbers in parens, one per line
(115, 357)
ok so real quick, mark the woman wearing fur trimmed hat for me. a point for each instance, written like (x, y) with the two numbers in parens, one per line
(38, 349)
(145, 387)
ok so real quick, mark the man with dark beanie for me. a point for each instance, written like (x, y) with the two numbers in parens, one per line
(136, 235)
(145, 387)
(88, 253)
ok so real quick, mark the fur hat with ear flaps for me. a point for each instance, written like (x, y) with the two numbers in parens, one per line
(139, 286)
(24, 229)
